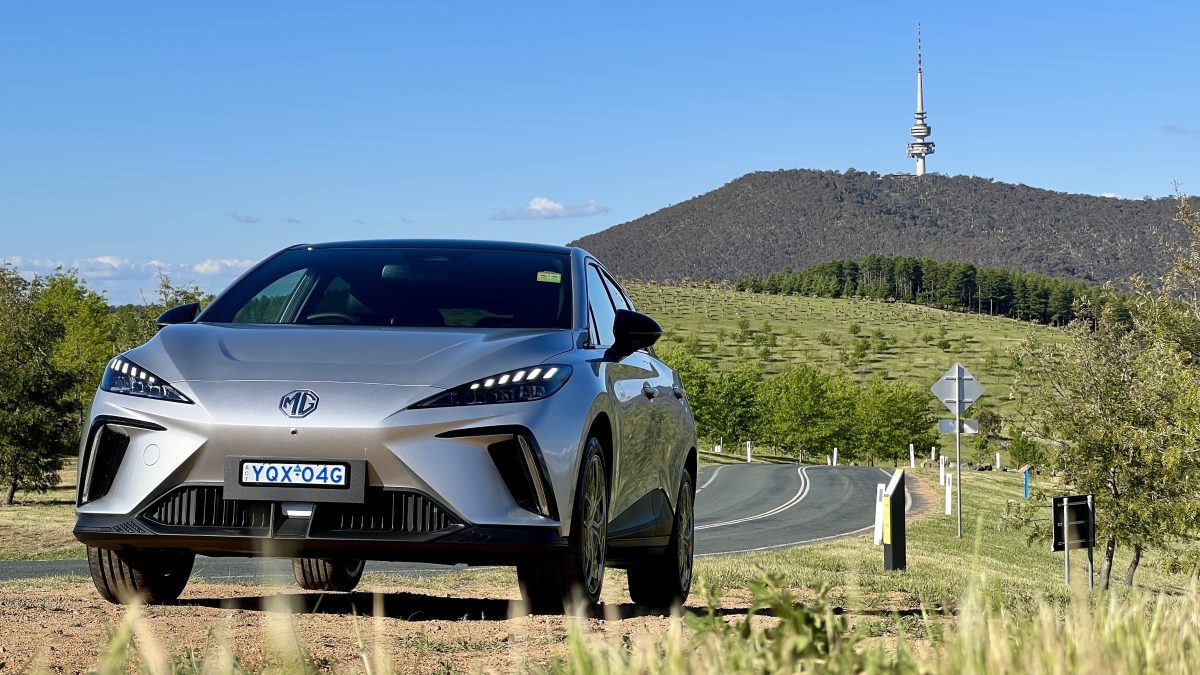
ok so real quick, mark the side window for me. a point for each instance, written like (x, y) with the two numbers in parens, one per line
(603, 313)
(268, 306)
(618, 296)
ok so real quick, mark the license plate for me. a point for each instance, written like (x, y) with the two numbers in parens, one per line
(295, 473)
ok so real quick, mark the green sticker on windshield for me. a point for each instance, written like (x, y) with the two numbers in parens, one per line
(550, 277)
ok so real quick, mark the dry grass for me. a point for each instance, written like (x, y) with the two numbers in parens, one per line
(38, 526)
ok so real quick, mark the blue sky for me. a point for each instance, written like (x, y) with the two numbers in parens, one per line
(199, 138)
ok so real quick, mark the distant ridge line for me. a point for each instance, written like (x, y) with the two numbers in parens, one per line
(770, 221)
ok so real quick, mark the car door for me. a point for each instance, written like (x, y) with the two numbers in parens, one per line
(660, 458)
(625, 381)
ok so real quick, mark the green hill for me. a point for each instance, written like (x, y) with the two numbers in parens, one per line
(897, 341)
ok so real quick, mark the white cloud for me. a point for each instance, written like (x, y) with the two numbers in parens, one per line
(111, 261)
(213, 267)
(1180, 130)
(1112, 195)
(544, 207)
(128, 281)
(242, 217)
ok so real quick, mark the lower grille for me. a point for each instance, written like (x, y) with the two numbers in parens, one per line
(195, 506)
(400, 512)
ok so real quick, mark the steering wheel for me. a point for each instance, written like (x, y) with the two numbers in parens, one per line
(331, 318)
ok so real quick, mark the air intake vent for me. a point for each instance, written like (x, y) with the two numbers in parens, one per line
(399, 512)
(192, 506)
(101, 459)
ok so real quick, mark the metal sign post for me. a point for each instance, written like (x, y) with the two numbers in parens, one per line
(1074, 527)
(958, 390)
(1066, 520)
(1091, 537)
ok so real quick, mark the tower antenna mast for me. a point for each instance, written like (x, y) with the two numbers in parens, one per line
(919, 148)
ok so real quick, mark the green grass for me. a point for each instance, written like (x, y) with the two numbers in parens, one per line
(739, 457)
(941, 567)
(818, 331)
(798, 323)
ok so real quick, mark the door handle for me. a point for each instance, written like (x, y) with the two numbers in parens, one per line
(648, 391)
(677, 390)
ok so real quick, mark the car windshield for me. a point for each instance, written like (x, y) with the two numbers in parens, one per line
(417, 287)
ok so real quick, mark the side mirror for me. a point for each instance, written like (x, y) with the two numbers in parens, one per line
(181, 314)
(632, 331)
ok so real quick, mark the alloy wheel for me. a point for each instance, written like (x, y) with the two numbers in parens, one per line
(595, 525)
(686, 524)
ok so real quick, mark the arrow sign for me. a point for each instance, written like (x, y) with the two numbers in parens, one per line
(957, 390)
(957, 386)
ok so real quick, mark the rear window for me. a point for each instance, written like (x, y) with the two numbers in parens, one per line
(420, 287)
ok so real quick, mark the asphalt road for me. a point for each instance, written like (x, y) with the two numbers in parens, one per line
(739, 508)
(759, 507)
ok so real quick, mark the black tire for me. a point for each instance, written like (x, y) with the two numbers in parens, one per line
(324, 574)
(139, 575)
(664, 580)
(555, 582)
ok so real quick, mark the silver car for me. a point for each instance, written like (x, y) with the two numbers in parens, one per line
(434, 401)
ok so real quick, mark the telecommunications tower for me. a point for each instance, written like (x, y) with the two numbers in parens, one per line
(920, 130)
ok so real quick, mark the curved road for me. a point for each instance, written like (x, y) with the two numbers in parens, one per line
(756, 507)
(739, 508)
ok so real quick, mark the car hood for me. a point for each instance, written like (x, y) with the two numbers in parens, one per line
(439, 357)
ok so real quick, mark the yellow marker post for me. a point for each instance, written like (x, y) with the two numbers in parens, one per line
(887, 520)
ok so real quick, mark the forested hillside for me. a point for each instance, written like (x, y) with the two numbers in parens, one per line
(954, 286)
(767, 222)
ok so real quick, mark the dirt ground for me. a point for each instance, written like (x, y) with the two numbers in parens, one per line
(460, 624)
(457, 622)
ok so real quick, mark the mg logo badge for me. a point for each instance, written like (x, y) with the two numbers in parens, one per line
(299, 403)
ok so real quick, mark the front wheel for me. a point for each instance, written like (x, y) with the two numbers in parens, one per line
(552, 583)
(664, 580)
(323, 574)
(132, 575)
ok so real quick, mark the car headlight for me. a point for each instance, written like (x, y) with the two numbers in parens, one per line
(123, 376)
(514, 386)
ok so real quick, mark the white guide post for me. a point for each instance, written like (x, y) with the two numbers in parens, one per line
(996, 466)
(949, 500)
(747, 452)
(835, 455)
(912, 457)
(941, 469)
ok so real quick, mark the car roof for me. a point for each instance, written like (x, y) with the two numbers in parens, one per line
(440, 243)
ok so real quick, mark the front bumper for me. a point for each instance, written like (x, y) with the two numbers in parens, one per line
(400, 525)
(449, 454)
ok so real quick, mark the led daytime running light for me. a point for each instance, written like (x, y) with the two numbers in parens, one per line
(122, 376)
(514, 386)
